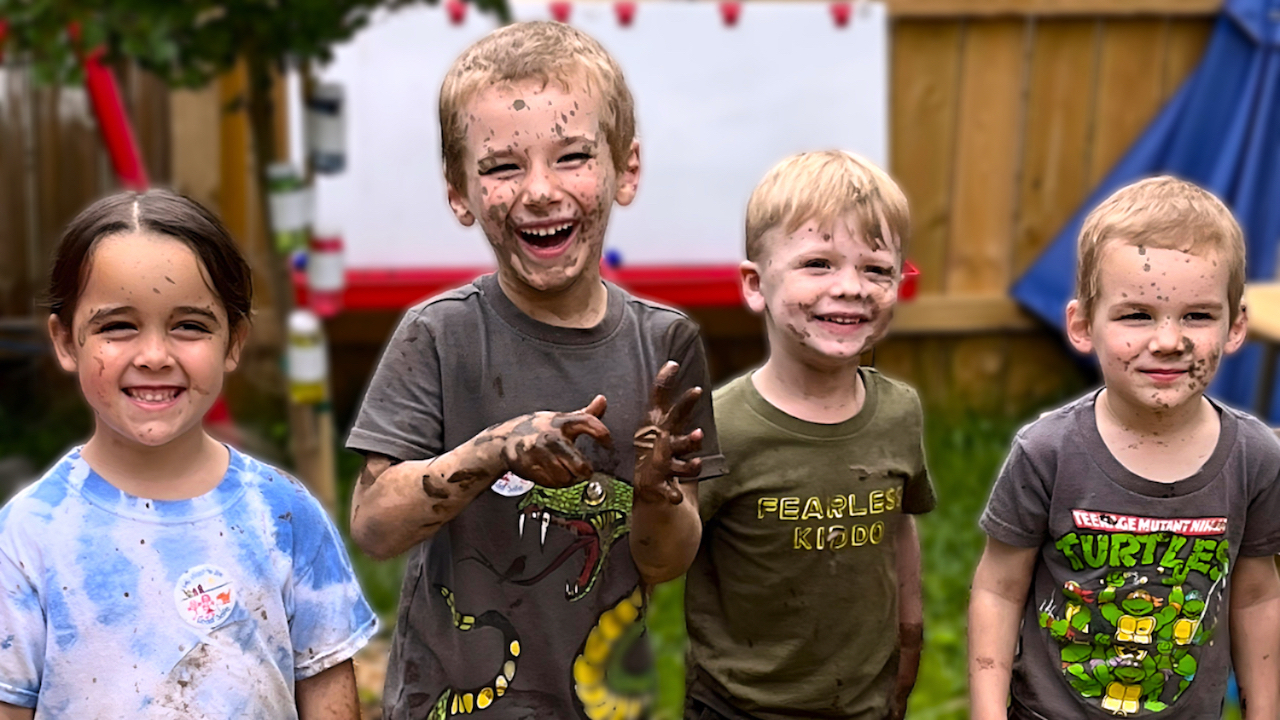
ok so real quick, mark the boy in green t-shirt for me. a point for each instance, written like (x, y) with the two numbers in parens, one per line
(804, 599)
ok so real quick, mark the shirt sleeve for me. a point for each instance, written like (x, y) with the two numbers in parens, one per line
(330, 619)
(1262, 519)
(401, 415)
(918, 494)
(22, 625)
(686, 348)
(1018, 511)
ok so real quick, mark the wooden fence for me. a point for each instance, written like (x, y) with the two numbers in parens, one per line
(52, 164)
(1004, 115)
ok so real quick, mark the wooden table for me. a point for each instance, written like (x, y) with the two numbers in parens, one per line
(1263, 303)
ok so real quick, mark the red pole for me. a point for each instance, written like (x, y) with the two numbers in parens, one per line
(117, 134)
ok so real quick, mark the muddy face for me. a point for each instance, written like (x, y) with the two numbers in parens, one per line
(541, 182)
(1160, 325)
(151, 340)
(827, 292)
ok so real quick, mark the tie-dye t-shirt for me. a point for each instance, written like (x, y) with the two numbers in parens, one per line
(116, 606)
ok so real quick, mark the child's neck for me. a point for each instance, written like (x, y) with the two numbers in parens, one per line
(581, 305)
(186, 467)
(817, 395)
(1162, 446)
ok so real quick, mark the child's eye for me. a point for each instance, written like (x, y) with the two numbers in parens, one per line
(818, 263)
(192, 326)
(577, 157)
(1135, 316)
(116, 327)
(1199, 316)
(880, 270)
(497, 169)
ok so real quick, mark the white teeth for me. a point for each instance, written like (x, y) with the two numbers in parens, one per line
(546, 520)
(543, 232)
(570, 587)
(521, 524)
(842, 321)
(154, 396)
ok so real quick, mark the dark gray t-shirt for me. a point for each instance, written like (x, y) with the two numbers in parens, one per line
(1128, 608)
(525, 605)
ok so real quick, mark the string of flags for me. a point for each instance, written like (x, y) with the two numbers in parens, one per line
(625, 10)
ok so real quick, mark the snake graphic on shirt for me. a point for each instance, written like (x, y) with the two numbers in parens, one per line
(596, 511)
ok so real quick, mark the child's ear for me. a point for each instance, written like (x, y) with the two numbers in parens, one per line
(461, 208)
(1078, 328)
(63, 344)
(235, 346)
(1239, 330)
(629, 176)
(749, 274)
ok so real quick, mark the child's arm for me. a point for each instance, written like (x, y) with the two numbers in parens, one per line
(398, 505)
(665, 527)
(910, 613)
(1255, 634)
(996, 602)
(329, 694)
(13, 712)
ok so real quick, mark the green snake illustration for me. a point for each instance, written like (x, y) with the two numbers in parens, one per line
(596, 511)
(454, 702)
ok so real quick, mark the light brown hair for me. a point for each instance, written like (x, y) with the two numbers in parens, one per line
(1160, 212)
(823, 186)
(542, 51)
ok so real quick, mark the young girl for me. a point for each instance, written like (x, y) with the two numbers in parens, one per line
(154, 572)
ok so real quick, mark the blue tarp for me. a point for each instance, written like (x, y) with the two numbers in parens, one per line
(1222, 131)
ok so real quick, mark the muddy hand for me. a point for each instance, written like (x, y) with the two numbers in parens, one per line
(660, 450)
(539, 446)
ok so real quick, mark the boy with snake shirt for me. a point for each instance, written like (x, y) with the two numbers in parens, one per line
(532, 532)
(804, 599)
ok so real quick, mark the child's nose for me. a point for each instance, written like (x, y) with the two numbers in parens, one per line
(849, 282)
(153, 352)
(1168, 337)
(541, 186)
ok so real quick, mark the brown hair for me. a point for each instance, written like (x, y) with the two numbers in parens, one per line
(823, 186)
(543, 51)
(163, 213)
(1160, 212)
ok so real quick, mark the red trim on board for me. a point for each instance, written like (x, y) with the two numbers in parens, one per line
(682, 286)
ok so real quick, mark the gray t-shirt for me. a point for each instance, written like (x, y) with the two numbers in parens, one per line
(525, 605)
(1128, 608)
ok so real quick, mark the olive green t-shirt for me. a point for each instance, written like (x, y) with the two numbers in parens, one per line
(792, 601)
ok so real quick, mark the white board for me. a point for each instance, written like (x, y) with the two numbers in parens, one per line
(716, 107)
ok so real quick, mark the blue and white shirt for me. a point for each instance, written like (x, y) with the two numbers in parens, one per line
(115, 606)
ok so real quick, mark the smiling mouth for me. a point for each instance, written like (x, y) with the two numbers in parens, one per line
(547, 238)
(153, 396)
(841, 320)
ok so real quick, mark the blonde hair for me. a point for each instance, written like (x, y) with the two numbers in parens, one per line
(823, 186)
(543, 51)
(1160, 212)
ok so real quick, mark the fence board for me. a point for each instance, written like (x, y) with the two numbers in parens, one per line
(1130, 89)
(1054, 178)
(925, 66)
(988, 126)
(1184, 46)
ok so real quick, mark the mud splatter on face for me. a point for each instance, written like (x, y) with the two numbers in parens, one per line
(518, 105)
